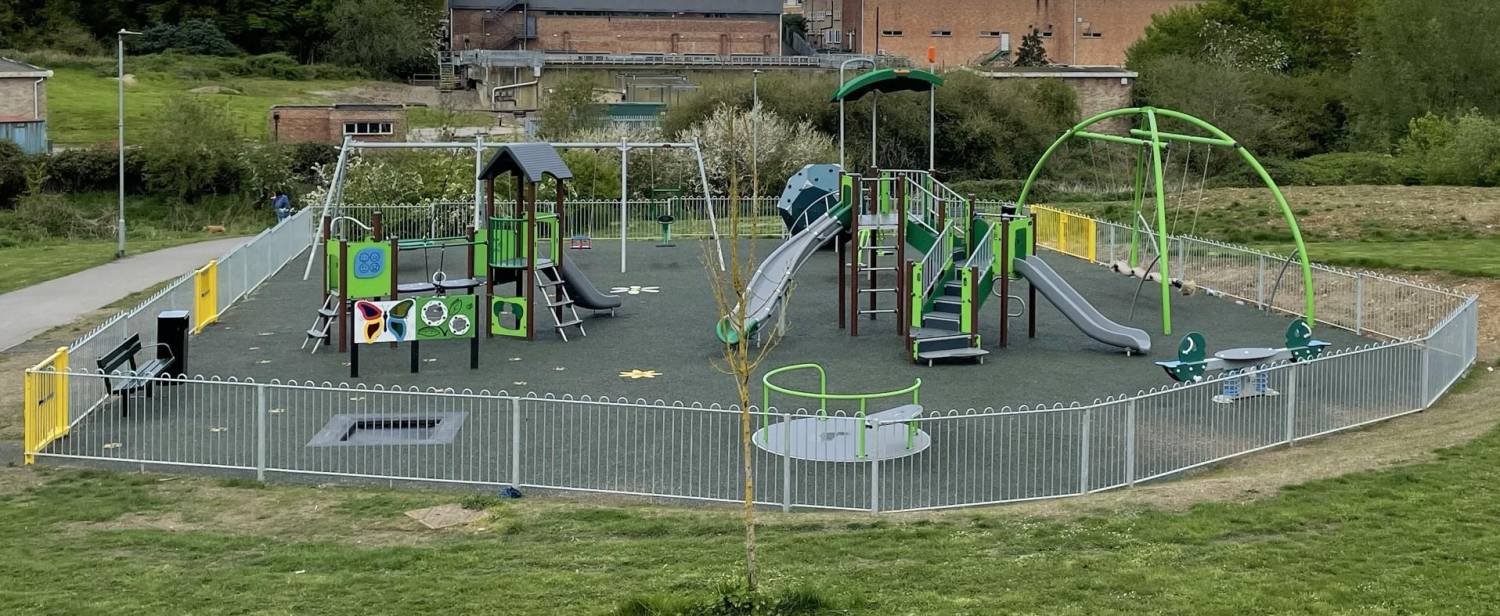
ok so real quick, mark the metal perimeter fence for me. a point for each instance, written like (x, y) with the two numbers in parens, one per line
(691, 451)
(595, 218)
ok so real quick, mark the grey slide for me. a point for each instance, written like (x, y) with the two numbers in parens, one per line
(1078, 310)
(771, 278)
(583, 292)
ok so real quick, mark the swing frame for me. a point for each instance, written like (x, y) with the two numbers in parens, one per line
(1150, 142)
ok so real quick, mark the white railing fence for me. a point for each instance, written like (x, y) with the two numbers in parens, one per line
(692, 451)
(596, 218)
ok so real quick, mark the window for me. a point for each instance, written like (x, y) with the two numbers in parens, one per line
(942, 33)
(890, 33)
(990, 34)
(1093, 34)
(368, 128)
(1047, 31)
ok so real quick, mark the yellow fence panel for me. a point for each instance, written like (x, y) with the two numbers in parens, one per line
(45, 395)
(206, 294)
(1066, 232)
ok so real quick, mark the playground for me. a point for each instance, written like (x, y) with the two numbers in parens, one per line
(921, 349)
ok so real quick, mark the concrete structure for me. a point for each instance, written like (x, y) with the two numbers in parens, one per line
(331, 123)
(689, 27)
(1099, 88)
(23, 105)
(969, 32)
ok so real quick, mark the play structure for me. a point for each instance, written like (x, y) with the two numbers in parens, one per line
(515, 262)
(860, 436)
(911, 247)
(1245, 366)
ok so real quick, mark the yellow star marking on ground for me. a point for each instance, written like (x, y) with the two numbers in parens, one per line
(640, 374)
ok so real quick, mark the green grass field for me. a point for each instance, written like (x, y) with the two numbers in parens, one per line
(1466, 257)
(1413, 539)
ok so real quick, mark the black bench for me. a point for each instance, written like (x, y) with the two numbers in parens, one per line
(126, 381)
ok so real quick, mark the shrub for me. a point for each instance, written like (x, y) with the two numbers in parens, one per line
(1461, 151)
(196, 36)
(192, 150)
(1343, 168)
(80, 170)
(12, 173)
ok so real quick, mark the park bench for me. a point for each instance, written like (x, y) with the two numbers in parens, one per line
(124, 377)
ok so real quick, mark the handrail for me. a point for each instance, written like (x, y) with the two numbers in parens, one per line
(823, 397)
(937, 259)
(983, 255)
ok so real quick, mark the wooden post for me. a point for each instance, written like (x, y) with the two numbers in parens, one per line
(560, 210)
(530, 272)
(489, 255)
(855, 210)
(323, 251)
(1031, 301)
(395, 267)
(902, 322)
(377, 231)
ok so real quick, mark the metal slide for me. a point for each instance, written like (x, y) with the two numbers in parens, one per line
(768, 286)
(583, 292)
(1078, 310)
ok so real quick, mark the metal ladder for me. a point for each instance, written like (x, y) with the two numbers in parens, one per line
(869, 269)
(318, 334)
(555, 294)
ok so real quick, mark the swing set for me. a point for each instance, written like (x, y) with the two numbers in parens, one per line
(1150, 154)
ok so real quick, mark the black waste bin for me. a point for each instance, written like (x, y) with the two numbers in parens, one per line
(172, 333)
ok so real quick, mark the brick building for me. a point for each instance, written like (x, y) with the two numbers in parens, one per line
(23, 105)
(966, 32)
(331, 123)
(710, 27)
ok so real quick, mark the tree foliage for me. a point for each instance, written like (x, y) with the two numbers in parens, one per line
(570, 107)
(384, 37)
(196, 36)
(1282, 35)
(1032, 52)
(192, 150)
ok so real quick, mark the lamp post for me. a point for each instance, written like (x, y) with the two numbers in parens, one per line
(120, 74)
(755, 136)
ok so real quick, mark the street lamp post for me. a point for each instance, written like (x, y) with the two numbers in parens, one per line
(755, 136)
(120, 75)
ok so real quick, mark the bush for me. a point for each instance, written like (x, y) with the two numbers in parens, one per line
(81, 170)
(1463, 151)
(12, 173)
(191, 151)
(1344, 168)
(195, 36)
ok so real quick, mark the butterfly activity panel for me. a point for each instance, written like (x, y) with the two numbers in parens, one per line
(413, 320)
(1245, 365)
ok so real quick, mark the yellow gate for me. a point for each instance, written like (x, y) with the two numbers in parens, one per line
(1066, 232)
(45, 395)
(206, 295)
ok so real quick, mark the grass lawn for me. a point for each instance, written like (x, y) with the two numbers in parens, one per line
(82, 104)
(1412, 539)
(1465, 257)
(27, 265)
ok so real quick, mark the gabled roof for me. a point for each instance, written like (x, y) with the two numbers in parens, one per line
(887, 80)
(531, 160)
(17, 68)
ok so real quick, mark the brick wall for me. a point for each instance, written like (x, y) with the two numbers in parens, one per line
(622, 33)
(686, 34)
(16, 98)
(1106, 29)
(314, 124)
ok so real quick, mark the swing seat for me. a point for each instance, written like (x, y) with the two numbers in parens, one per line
(414, 288)
(458, 284)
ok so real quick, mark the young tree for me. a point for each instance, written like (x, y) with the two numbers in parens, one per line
(570, 107)
(729, 287)
(384, 37)
(1032, 52)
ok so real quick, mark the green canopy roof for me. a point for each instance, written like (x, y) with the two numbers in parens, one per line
(887, 80)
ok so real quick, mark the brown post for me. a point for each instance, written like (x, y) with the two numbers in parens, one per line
(489, 254)
(470, 260)
(395, 263)
(855, 210)
(343, 303)
(377, 231)
(969, 226)
(974, 305)
(323, 252)
(1004, 280)
(901, 279)
(560, 210)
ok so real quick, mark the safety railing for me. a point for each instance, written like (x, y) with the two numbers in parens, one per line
(1066, 232)
(595, 218)
(44, 410)
(932, 265)
(691, 451)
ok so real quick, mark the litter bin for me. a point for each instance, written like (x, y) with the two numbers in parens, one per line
(172, 328)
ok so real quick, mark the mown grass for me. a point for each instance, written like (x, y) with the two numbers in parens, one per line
(1405, 540)
(1479, 257)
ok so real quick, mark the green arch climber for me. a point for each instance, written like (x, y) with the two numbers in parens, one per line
(1155, 140)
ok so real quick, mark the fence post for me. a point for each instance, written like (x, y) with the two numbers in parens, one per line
(1426, 398)
(260, 432)
(515, 442)
(1260, 281)
(1083, 453)
(1130, 442)
(1359, 304)
(874, 464)
(786, 462)
(1291, 404)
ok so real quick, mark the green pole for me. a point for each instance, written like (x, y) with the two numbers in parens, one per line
(1161, 224)
(1037, 169)
(1138, 196)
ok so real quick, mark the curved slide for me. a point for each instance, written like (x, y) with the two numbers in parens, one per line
(583, 292)
(769, 284)
(1078, 310)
